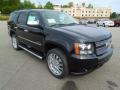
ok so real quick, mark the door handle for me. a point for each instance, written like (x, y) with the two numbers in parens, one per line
(16, 27)
(26, 30)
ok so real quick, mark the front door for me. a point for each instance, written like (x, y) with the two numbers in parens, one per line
(34, 34)
(27, 32)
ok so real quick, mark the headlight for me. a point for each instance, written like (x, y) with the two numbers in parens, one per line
(84, 49)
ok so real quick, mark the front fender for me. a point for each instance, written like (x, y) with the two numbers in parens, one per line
(61, 42)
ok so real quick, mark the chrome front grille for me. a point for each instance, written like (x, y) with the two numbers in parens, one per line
(102, 46)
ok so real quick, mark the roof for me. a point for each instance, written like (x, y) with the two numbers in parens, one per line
(38, 10)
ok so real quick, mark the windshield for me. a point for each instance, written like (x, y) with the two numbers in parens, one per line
(54, 18)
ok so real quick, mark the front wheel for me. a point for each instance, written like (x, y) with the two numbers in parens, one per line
(57, 63)
(15, 42)
(97, 25)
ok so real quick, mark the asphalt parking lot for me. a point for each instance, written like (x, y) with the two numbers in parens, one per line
(22, 71)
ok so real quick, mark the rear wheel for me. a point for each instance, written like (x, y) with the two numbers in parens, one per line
(57, 63)
(15, 42)
(117, 25)
(104, 25)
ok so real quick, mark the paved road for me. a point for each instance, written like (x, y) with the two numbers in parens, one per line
(22, 71)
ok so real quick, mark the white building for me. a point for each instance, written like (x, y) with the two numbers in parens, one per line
(84, 12)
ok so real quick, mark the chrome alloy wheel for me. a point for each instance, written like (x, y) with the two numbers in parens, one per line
(14, 42)
(55, 64)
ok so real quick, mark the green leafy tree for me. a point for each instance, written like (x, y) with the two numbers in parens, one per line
(27, 5)
(70, 4)
(49, 5)
(83, 4)
(89, 6)
(65, 6)
(113, 15)
(39, 6)
(7, 6)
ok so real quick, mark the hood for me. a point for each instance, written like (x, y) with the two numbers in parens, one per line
(87, 33)
(108, 21)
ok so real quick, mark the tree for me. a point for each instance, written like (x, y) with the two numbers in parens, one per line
(113, 15)
(65, 6)
(39, 6)
(70, 4)
(1, 5)
(7, 6)
(27, 5)
(89, 6)
(49, 5)
(83, 4)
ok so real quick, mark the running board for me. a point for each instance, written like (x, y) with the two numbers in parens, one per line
(30, 52)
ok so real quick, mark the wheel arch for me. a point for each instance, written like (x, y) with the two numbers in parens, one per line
(12, 33)
(51, 45)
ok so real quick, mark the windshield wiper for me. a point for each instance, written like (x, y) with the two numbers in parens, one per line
(58, 25)
(63, 24)
(73, 24)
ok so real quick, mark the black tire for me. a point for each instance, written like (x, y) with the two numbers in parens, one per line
(16, 47)
(63, 57)
(104, 25)
(97, 25)
(117, 25)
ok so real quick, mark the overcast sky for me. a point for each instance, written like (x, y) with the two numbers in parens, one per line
(114, 4)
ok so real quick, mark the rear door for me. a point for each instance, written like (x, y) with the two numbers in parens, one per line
(21, 27)
(12, 21)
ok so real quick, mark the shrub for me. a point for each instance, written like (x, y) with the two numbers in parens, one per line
(4, 17)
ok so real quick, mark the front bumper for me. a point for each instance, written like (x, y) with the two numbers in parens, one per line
(110, 24)
(84, 64)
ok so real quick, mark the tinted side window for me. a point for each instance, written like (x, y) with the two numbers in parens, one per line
(13, 16)
(22, 18)
(33, 18)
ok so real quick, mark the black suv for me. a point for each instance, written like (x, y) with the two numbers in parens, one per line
(57, 38)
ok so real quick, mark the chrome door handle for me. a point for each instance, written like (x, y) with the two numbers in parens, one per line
(26, 30)
(16, 27)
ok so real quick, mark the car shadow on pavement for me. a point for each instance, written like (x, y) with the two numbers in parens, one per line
(69, 85)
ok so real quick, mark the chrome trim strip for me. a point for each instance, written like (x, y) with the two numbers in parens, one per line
(30, 52)
(29, 40)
